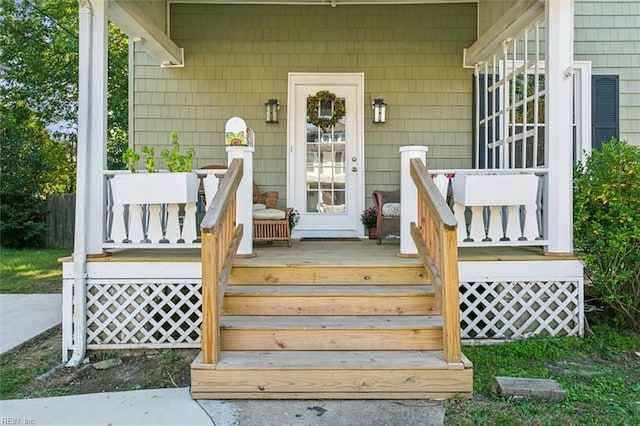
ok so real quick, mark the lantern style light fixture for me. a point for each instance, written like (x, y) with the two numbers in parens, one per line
(272, 110)
(379, 110)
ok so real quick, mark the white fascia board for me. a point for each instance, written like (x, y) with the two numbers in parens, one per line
(136, 24)
(510, 25)
(526, 270)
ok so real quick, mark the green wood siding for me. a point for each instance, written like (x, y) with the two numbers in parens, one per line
(239, 56)
(607, 33)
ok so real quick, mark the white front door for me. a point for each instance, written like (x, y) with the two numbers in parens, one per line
(326, 164)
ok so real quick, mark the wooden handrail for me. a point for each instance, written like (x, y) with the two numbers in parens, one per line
(435, 237)
(220, 240)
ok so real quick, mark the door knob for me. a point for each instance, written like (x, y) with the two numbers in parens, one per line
(354, 169)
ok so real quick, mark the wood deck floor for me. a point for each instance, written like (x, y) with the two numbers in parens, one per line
(334, 252)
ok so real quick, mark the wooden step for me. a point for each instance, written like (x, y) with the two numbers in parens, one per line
(303, 333)
(329, 300)
(331, 375)
(301, 274)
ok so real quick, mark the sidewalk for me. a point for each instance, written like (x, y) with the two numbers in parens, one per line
(169, 407)
(24, 316)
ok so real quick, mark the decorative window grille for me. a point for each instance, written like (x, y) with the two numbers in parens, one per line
(509, 104)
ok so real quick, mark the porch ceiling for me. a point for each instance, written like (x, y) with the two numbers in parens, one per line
(130, 17)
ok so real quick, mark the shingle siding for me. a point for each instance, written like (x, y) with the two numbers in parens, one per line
(239, 56)
(607, 33)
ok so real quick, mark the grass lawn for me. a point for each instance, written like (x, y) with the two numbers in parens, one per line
(601, 375)
(31, 271)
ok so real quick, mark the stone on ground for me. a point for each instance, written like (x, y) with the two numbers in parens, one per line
(540, 389)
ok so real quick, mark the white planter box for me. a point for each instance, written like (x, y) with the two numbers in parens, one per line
(155, 188)
(495, 190)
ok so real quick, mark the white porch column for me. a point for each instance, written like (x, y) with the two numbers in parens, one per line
(558, 130)
(244, 197)
(408, 197)
(92, 124)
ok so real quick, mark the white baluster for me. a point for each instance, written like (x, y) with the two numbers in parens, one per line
(154, 233)
(135, 223)
(173, 223)
(189, 226)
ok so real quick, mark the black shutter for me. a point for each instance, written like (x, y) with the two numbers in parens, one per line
(490, 126)
(605, 107)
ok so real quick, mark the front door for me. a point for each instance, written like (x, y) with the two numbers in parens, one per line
(325, 160)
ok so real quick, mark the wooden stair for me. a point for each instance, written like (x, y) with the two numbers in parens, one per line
(330, 332)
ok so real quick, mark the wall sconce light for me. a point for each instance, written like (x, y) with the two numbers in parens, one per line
(272, 110)
(379, 110)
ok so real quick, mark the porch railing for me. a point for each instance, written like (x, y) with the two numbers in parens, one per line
(434, 235)
(509, 214)
(157, 225)
(220, 240)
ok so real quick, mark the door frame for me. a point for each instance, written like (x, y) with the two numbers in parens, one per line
(333, 79)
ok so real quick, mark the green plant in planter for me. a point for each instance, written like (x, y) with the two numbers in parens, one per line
(369, 217)
(175, 161)
(130, 158)
(294, 218)
(149, 160)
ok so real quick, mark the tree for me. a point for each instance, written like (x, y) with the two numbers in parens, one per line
(39, 48)
(39, 108)
(25, 169)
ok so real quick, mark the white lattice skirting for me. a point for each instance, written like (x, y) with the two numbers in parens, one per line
(504, 310)
(143, 314)
(497, 300)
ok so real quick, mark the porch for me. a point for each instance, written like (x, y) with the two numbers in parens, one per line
(378, 325)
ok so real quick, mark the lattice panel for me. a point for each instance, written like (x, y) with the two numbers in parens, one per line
(503, 310)
(125, 313)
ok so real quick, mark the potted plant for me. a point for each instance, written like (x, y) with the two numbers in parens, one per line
(155, 187)
(294, 218)
(369, 219)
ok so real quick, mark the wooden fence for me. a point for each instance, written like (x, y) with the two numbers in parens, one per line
(60, 213)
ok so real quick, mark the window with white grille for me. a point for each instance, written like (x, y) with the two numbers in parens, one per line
(509, 99)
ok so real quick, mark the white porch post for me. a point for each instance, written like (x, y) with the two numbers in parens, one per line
(408, 197)
(558, 130)
(90, 157)
(92, 124)
(244, 197)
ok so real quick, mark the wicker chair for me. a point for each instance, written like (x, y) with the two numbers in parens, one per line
(386, 225)
(269, 199)
(270, 229)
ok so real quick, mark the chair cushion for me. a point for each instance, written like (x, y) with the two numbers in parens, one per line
(391, 209)
(269, 214)
(259, 207)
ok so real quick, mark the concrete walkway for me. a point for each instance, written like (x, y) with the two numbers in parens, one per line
(24, 316)
(175, 407)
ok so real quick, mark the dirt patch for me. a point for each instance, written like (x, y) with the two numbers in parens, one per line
(24, 368)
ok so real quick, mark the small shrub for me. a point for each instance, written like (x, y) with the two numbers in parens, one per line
(607, 228)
